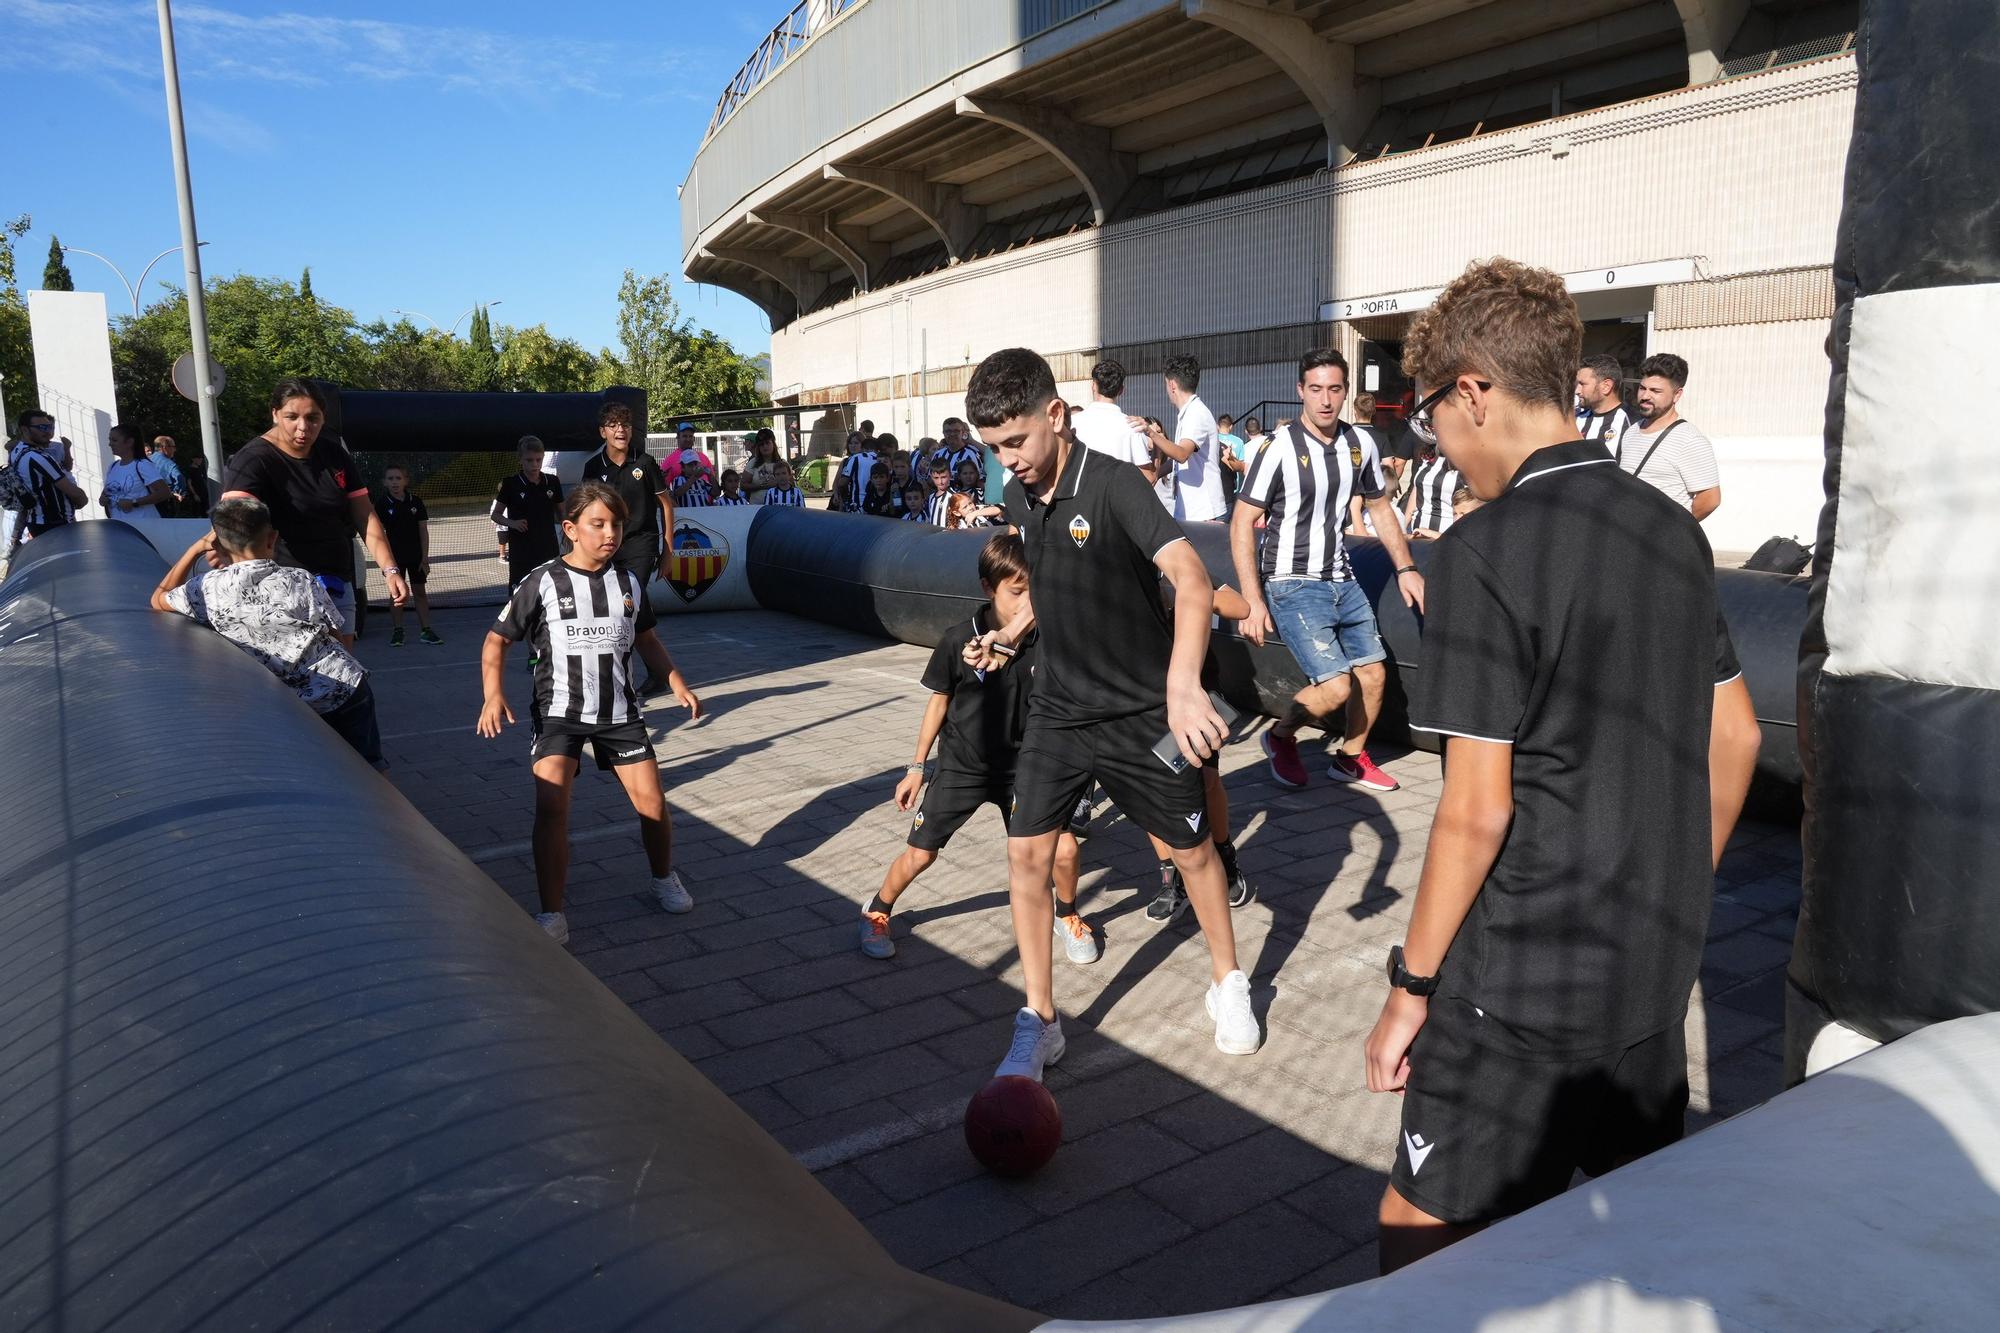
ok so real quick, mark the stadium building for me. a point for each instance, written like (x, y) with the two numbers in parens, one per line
(906, 185)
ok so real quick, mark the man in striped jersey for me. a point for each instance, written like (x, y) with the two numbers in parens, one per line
(1302, 586)
(1600, 413)
(586, 616)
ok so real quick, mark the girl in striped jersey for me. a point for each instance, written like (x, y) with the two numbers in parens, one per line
(1428, 510)
(585, 618)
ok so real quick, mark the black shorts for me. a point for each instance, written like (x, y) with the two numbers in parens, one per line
(1487, 1134)
(1058, 764)
(950, 800)
(613, 745)
(412, 565)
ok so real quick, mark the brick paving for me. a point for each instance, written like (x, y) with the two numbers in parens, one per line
(1188, 1180)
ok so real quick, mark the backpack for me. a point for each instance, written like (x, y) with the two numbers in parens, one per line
(16, 492)
(1781, 555)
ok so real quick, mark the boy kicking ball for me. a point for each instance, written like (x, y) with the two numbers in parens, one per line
(975, 717)
(1116, 676)
(584, 618)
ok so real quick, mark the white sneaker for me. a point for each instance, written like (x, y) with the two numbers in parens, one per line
(673, 894)
(555, 925)
(1235, 1026)
(1035, 1044)
(1078, 940)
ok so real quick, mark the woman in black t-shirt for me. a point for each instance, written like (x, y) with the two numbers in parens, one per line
(316, 494)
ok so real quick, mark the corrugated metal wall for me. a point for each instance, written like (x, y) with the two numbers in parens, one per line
(1751, 298)
(1744, 175)
(873, 59)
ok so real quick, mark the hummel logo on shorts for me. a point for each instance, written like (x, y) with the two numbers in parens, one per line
(627, 754)
(1419, 1150)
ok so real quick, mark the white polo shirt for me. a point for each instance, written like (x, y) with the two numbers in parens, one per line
(1683, 464)
(1103, 427)
(1198, 481)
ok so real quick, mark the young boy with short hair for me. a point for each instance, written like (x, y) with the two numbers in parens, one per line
(915, 508)
(784, 491)
(279, 615)
(975, 717)
(1118, 676)
(408, 524)
(528, 503)
(732, 489)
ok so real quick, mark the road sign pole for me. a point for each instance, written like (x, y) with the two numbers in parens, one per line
(211, 433)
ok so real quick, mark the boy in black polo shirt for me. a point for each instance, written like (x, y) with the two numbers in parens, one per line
(1116, 675)
(1599, 745)
(975, 716)
(408, 524)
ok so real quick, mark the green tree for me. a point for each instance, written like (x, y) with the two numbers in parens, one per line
(683, 371)
(55, 273)
(482, 362)
(534, 360)
(403, 357)
(17, 355)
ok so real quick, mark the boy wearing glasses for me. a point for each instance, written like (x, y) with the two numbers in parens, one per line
(1299, 582)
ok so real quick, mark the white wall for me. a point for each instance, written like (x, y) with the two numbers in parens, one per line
(72, 343)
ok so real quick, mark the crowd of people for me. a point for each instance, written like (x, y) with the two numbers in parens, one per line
(1535, 1002)
(143, 483)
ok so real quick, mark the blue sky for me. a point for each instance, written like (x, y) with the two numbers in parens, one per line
(423, 155)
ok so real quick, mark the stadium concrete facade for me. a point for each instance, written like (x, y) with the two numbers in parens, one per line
(905, 185)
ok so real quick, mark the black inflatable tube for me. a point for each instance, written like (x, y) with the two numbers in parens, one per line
(381, 421)
(279, 1056)
(909, 581)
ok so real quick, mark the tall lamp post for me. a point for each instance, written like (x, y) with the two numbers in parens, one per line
(447, 332)
(204, 384)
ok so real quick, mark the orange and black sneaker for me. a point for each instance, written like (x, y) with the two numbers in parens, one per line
(875, 940)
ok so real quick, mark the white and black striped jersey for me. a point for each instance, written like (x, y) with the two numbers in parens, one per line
(47, 506)
(1432, 483)
(1604, 427)
(785, 495)
(582, 626)
(857, 468)
(937, 508)
(1303, 484)
(696, 495)
(724, 499)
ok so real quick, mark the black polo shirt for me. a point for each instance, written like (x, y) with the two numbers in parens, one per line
(1106, 636)
(309, 498)
(988, 710)
(403, 521)
(639, 480)
(1575, 618)
(536, 501)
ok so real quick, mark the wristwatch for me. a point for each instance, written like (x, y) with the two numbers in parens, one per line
(392, 569)
(1400, 977)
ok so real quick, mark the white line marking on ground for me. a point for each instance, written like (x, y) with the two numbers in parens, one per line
(885, 675)
(875, 1138)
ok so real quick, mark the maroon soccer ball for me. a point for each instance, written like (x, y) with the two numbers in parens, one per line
(1013, 1126)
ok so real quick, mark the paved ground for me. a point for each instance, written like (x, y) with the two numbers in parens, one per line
(1188, 1180)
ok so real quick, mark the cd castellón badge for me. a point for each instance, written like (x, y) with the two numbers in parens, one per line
(1079, 530)
(700, 554)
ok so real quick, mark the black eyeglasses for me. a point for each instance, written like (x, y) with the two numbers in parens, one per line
(42, 425)
(1420, 416)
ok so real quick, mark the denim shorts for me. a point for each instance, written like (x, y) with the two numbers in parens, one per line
(1329, 626)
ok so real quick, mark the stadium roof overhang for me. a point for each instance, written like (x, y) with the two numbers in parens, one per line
(1099, 112)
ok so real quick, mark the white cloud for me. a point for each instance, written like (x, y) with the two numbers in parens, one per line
(112, 39)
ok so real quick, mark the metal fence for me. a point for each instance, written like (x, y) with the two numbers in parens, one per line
(793, 31)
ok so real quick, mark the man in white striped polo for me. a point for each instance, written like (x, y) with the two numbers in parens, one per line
(1301, 585)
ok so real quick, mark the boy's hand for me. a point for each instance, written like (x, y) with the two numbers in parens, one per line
(1197, 727)
(907, 789)
(1258, 623)
(518, 524)
(982, 651)
(1387, 1053)
(683, 695)
(490, 717)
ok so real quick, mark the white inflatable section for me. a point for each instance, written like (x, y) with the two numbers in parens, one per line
(711, 564)
(1865, 1198)
(1836, 1044)
(1911, 594)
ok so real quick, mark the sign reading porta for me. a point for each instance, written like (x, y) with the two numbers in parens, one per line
(1653, 273)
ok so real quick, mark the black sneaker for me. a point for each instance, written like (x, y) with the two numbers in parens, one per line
(1168, 903)
(1079, 818)
(1240, 891)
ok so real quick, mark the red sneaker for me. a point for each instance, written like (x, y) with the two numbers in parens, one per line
(1360, 770)
(1287, 769)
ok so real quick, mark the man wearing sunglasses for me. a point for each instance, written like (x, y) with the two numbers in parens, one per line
(1299, 582)
(36, 458)
(1598, 745)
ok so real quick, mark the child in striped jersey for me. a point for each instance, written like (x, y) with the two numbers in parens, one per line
(782, 491)
(586, 617)
(732, 489)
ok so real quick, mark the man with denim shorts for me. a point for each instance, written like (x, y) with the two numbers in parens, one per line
(1301, 584)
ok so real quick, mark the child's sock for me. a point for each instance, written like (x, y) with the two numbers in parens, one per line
(876, 907)
(1226, 849)
(1166, 873)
